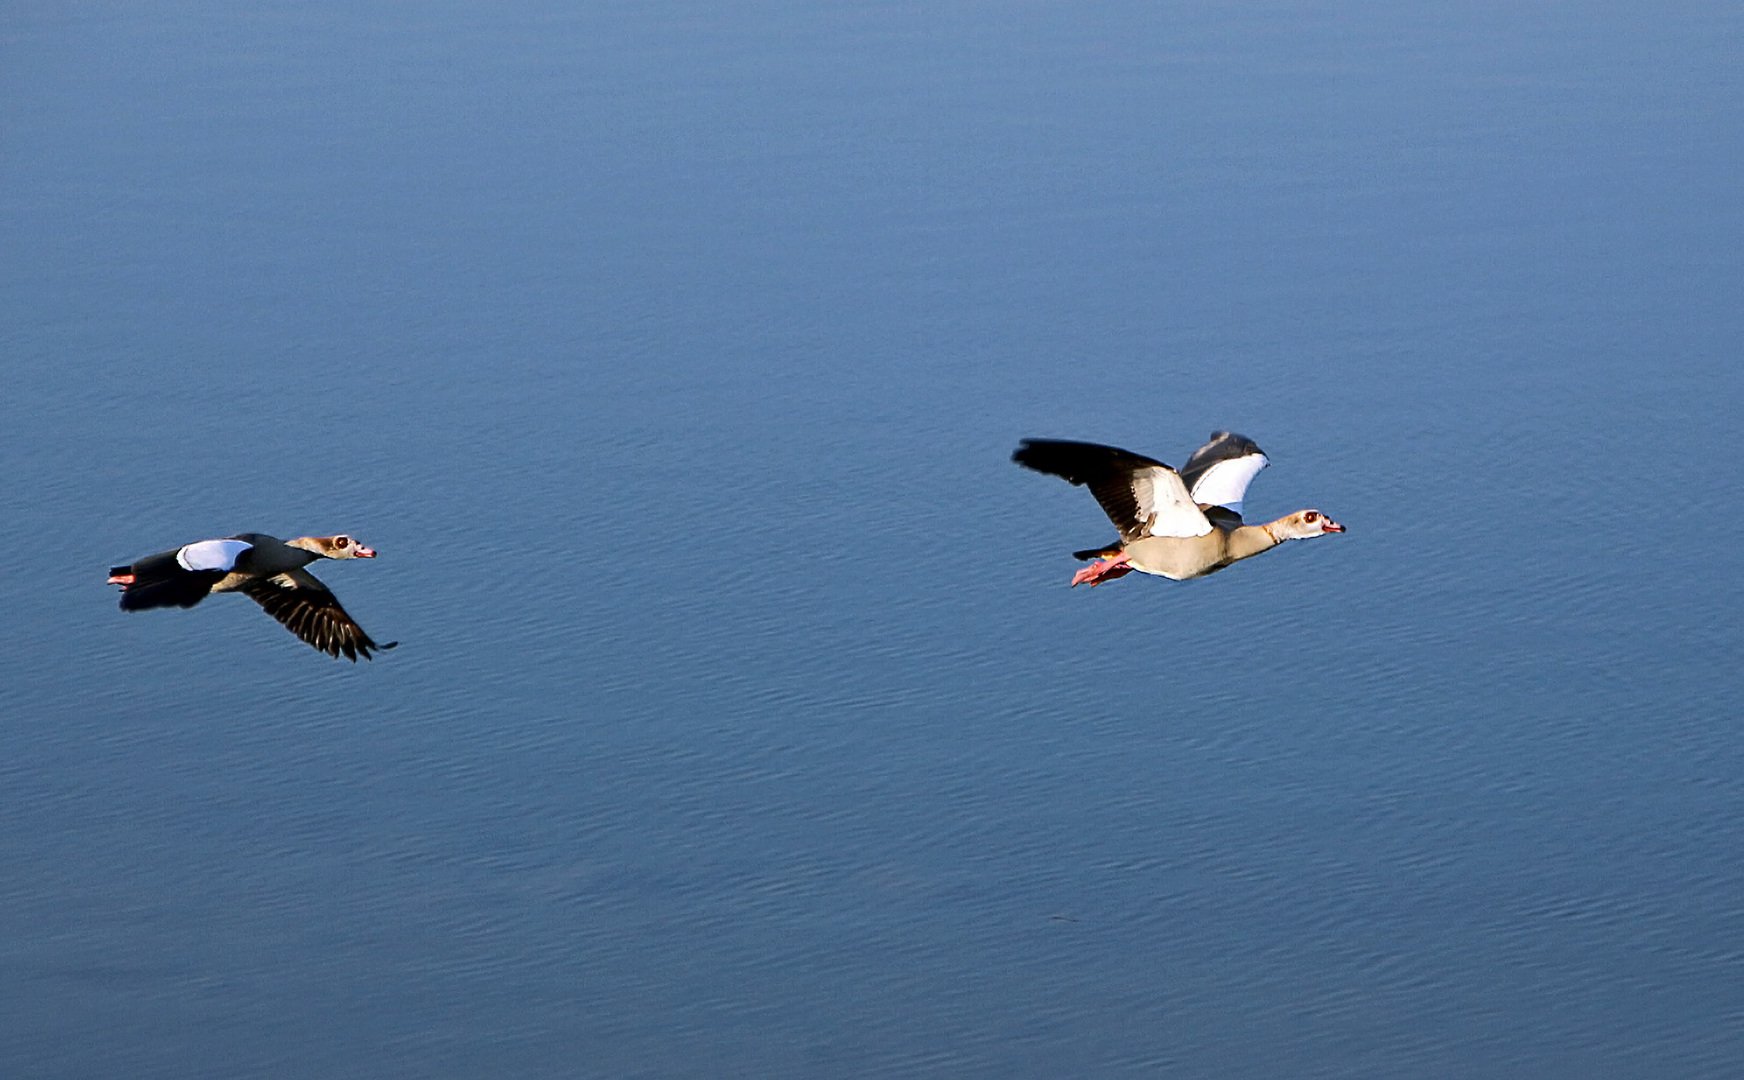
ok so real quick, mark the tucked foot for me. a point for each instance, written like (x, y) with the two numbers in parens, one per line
(123, 580)
(1102, 570)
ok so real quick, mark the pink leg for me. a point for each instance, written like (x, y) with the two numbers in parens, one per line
(1102, 570)
(122, 580)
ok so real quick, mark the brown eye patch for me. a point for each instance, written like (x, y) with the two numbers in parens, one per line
(1311, 516)
(341, 541)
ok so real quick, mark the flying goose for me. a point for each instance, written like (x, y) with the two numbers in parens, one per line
(1177, 525)
(263, 568)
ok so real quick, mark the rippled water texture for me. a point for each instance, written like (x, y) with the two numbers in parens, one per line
(671, 355)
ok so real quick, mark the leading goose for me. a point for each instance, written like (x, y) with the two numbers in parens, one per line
(1177, 525)
(263, 568)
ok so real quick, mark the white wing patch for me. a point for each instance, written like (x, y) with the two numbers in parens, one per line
(1163, 498)
(1225, 483)
(212, 554)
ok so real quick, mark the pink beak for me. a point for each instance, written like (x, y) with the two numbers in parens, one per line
(1332, 526)
(361, 552)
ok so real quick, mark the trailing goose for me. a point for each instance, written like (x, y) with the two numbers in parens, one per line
(263, 568)
(1177, 525)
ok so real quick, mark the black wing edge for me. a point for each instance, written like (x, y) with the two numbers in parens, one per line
(1080, 462)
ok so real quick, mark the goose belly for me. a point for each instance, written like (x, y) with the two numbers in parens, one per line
(1178, 558)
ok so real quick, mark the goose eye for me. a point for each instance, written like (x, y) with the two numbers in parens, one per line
(1311, 516)
(341, 541)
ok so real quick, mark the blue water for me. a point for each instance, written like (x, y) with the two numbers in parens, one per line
(671, 355)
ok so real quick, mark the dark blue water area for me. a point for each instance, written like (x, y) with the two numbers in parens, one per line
(672, 354)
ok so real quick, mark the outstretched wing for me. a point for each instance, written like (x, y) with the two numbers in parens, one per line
(1142, 496)
(309, 610)
(1219, 472)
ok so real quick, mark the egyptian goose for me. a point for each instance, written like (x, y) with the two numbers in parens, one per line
(263, 568)
(1177, 525)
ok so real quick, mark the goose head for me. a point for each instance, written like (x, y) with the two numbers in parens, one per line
(1303, 524)
(342, 546)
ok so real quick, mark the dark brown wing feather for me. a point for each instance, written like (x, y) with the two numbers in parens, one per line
(1107, 471)
(309, 610)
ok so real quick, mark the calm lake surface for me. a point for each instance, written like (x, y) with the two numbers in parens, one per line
(743, 725)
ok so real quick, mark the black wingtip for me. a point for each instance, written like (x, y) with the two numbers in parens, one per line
(1079, 462)
(1032, 454)
(365, 651)
(1104, 552)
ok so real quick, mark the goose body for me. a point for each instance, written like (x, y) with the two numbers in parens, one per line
(1178, 525)
(267, 570)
